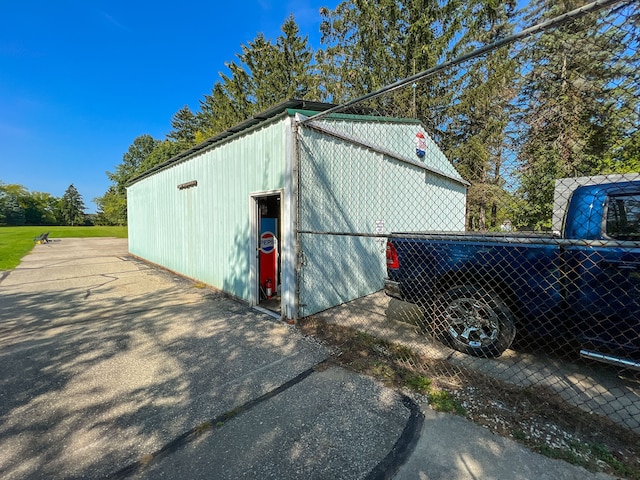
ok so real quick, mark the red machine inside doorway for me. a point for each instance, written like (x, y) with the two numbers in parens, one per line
(268, 257)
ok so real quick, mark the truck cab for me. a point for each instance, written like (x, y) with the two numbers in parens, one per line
(601, 255)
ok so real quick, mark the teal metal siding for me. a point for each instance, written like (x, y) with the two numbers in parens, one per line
(345, 187)
(203, 232)
(396, 136)
(348, 188)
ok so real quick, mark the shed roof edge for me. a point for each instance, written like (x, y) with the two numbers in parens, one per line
(286, 108)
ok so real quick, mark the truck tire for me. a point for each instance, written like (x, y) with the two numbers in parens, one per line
(475, 321)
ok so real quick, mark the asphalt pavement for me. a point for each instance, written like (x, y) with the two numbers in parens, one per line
(114, 368)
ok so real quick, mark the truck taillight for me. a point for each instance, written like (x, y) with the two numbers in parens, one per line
(392, 256)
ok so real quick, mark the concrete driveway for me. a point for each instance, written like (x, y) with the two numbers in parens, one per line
(111, 368)
(105, 359)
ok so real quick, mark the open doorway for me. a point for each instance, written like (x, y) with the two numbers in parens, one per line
(268, 231)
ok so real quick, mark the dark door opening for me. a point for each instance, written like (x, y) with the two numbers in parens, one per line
(269, 271)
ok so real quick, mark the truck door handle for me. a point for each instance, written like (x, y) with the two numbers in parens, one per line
(628, 266)
(622, 265)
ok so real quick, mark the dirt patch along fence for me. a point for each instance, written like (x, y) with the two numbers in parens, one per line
(482, 144)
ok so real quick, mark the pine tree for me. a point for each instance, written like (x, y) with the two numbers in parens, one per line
(577, 107)
(265, 73)
(13, 211)
(217, 113)
(364, 48)
(184, 127)
(482, 111)
(293, 76)
(372, 44)
(72, 207)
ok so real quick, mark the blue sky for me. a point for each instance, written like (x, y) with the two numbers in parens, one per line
(80, 80)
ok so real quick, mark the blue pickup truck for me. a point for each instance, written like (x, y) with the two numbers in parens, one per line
(480, 291)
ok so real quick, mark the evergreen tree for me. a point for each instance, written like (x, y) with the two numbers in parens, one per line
(184, 126)
(255, 77)
(237, 89)
(217, 113)
(72, 207)
(13, 211)
(577, 103)
(478, 137)
(266, 73)
(364, 47)
(370, 44)
(297, 55)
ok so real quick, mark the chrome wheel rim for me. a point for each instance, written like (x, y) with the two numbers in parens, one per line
(472, 322)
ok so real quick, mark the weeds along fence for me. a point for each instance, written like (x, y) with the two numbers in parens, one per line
(490, 147)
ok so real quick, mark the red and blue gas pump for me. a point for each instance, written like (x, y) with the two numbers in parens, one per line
(268, 257)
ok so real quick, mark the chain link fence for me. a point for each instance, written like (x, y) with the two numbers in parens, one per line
(485, 215)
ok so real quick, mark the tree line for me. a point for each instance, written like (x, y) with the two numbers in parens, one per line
(561, 103)
(19, 206)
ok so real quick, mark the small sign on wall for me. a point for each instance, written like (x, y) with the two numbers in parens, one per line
(421, 145)
(192, 183)
(380, 229)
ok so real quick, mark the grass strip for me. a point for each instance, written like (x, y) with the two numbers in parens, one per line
(16, 242)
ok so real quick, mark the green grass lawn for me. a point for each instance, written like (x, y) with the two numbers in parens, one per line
(16, 242)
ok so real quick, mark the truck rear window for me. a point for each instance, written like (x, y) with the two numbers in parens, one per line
(623, 217)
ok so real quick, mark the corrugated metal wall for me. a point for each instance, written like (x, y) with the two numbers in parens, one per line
(349, 190)
(204, 231)
(396, 136)
(345, 188)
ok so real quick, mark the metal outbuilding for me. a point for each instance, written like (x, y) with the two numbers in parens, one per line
(252, 211)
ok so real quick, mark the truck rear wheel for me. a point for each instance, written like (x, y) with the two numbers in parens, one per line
(475, 321)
